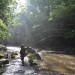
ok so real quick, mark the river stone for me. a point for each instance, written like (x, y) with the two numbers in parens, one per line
(3, 62)
(1, 56)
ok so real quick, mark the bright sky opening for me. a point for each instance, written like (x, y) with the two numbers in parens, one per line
(21, 4)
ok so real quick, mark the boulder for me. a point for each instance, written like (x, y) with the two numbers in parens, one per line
(15, 53)
(3, 62)
(1, 56)
(31, 50)
(31, 59)
(12, 55)
(38, 57)
(6, 55)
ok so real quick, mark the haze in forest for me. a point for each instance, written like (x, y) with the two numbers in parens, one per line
(39, 23)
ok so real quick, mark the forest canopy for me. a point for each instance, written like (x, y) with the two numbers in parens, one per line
(6, 16)
(41, 23)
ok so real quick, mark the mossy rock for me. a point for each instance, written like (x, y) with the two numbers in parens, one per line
(31, 59)
(31, 56)
(2, 47)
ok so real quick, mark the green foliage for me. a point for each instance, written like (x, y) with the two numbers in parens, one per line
(31, 58)
(45, 22)
(6, 17)
(5, 13)
(3, 31)
(62, 9)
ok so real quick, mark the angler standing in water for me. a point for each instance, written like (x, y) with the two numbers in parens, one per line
(22, 53)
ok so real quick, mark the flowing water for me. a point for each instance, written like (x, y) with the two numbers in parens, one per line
(15, 68)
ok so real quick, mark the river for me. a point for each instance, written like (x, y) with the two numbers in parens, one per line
(15, 68)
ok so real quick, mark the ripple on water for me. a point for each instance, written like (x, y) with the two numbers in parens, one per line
(15, 68)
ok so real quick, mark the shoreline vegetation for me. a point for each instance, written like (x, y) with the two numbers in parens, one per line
(5, 58)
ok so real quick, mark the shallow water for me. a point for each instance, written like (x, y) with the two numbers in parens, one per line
(15, 67)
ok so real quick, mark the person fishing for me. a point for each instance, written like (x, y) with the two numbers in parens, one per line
(22, 53)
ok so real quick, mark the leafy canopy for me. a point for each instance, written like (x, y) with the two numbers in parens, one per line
(5, 17)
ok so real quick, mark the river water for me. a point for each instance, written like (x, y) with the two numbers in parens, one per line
(15, 68)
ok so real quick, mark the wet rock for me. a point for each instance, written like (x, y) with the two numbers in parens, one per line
(15, 53)
(3, 62)
(37, 56)
(1, 56)
(33, 64)
(31, 50)
(12, 55)
(6, 55)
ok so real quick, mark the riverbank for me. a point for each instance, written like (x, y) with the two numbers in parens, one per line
(3, 53)
(2, 69)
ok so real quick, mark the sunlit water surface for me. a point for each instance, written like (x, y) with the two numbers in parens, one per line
(15, 67)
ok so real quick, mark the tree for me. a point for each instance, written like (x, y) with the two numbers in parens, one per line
(5, 18)
(47, 22)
